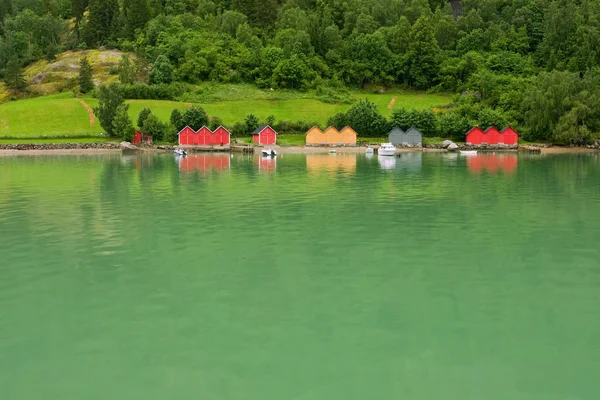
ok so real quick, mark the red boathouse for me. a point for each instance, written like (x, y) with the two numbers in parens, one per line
(475, 135)
(510, 135)
(140, 137)
(492, 136)
(204, 137)
(264, 135)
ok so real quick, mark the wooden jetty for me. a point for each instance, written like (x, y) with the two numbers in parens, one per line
(242, 149)
(530, 149)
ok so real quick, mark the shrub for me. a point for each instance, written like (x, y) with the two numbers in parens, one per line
(194, 117)
(157, 129)
(122, 125)
(109, 100)
(142, 117)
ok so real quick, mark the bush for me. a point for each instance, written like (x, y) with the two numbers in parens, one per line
(122, 125)
(143, 91)
(142, 117)
(157, 129)
(364, 118)
(194, 117)
(177, 120)
(425, 120)
(251, 122)
(109, 100)
(293, 127)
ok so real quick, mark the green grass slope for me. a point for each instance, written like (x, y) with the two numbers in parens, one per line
(62, 116)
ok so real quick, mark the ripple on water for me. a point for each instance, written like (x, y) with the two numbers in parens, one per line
(324, 276)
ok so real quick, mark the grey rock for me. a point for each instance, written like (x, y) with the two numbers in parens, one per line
(453, 146)
(446, 143)
(126, 146)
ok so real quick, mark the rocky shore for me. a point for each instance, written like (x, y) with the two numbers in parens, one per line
(60, 146)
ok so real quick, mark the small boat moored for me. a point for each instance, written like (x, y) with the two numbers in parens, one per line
(386, 149)
(468, 152)
(180, 152)
(369, 150)
(269, 152)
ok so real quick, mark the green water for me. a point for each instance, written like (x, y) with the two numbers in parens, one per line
(312, 277)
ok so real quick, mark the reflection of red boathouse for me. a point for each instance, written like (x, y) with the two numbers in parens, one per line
(492, 163)
(204, 162)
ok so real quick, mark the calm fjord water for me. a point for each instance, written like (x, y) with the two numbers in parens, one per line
(309, 277)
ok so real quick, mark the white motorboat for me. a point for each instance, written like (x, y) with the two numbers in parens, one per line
(269, 152)
(386, 149)
(369, 150)
(468, 152)
(180, 152)
(332, 151)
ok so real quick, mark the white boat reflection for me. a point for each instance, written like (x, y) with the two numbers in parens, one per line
(386, 162)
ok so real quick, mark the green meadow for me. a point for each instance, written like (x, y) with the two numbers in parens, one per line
(63, 116)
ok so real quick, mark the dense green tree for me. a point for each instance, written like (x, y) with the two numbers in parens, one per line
(126, 69)
(154, 127)
(563, 107)
(423, 54)
(109, 100)
(231, 21)
(144, 113)
(14, 78)
(102, 19)
(122, 125)
(176, 120)
(137, 13)
(162, 70)
(195, 117)
(251, 123)
(86, 82)
(260, 12)
(364, 118)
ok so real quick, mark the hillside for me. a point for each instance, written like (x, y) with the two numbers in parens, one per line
(63, 115)
(59, 75)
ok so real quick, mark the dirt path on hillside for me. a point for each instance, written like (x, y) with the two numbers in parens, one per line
(392, 102)
(89, 111)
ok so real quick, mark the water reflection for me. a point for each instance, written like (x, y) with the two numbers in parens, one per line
(387, 162)
(492, 163)
(410, 162)
(267, 164)
(205, 162)
(316, 163)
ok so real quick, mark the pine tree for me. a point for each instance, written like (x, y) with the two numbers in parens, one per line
(126, 70)
(102, 18)
(423, 54)
(137, 13)
(13, 76)
(86, 84)
(122, 125)
(142, 116)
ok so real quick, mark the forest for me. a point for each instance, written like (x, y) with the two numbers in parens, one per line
(533, 64)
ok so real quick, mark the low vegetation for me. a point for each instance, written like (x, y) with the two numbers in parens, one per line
(532, 64)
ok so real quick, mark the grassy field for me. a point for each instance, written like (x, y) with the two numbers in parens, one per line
(63, 116)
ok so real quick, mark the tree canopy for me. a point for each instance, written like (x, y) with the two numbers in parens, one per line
(504, 54)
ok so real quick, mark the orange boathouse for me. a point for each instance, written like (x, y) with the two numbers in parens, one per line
(315, 136)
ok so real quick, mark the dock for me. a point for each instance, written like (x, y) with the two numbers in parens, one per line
(242, 149)
(530, 149)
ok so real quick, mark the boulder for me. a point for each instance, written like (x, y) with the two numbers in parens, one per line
(453, 146)
(446, 143)
(126, 146)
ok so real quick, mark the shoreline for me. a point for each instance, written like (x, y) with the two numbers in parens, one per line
(102, 148)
